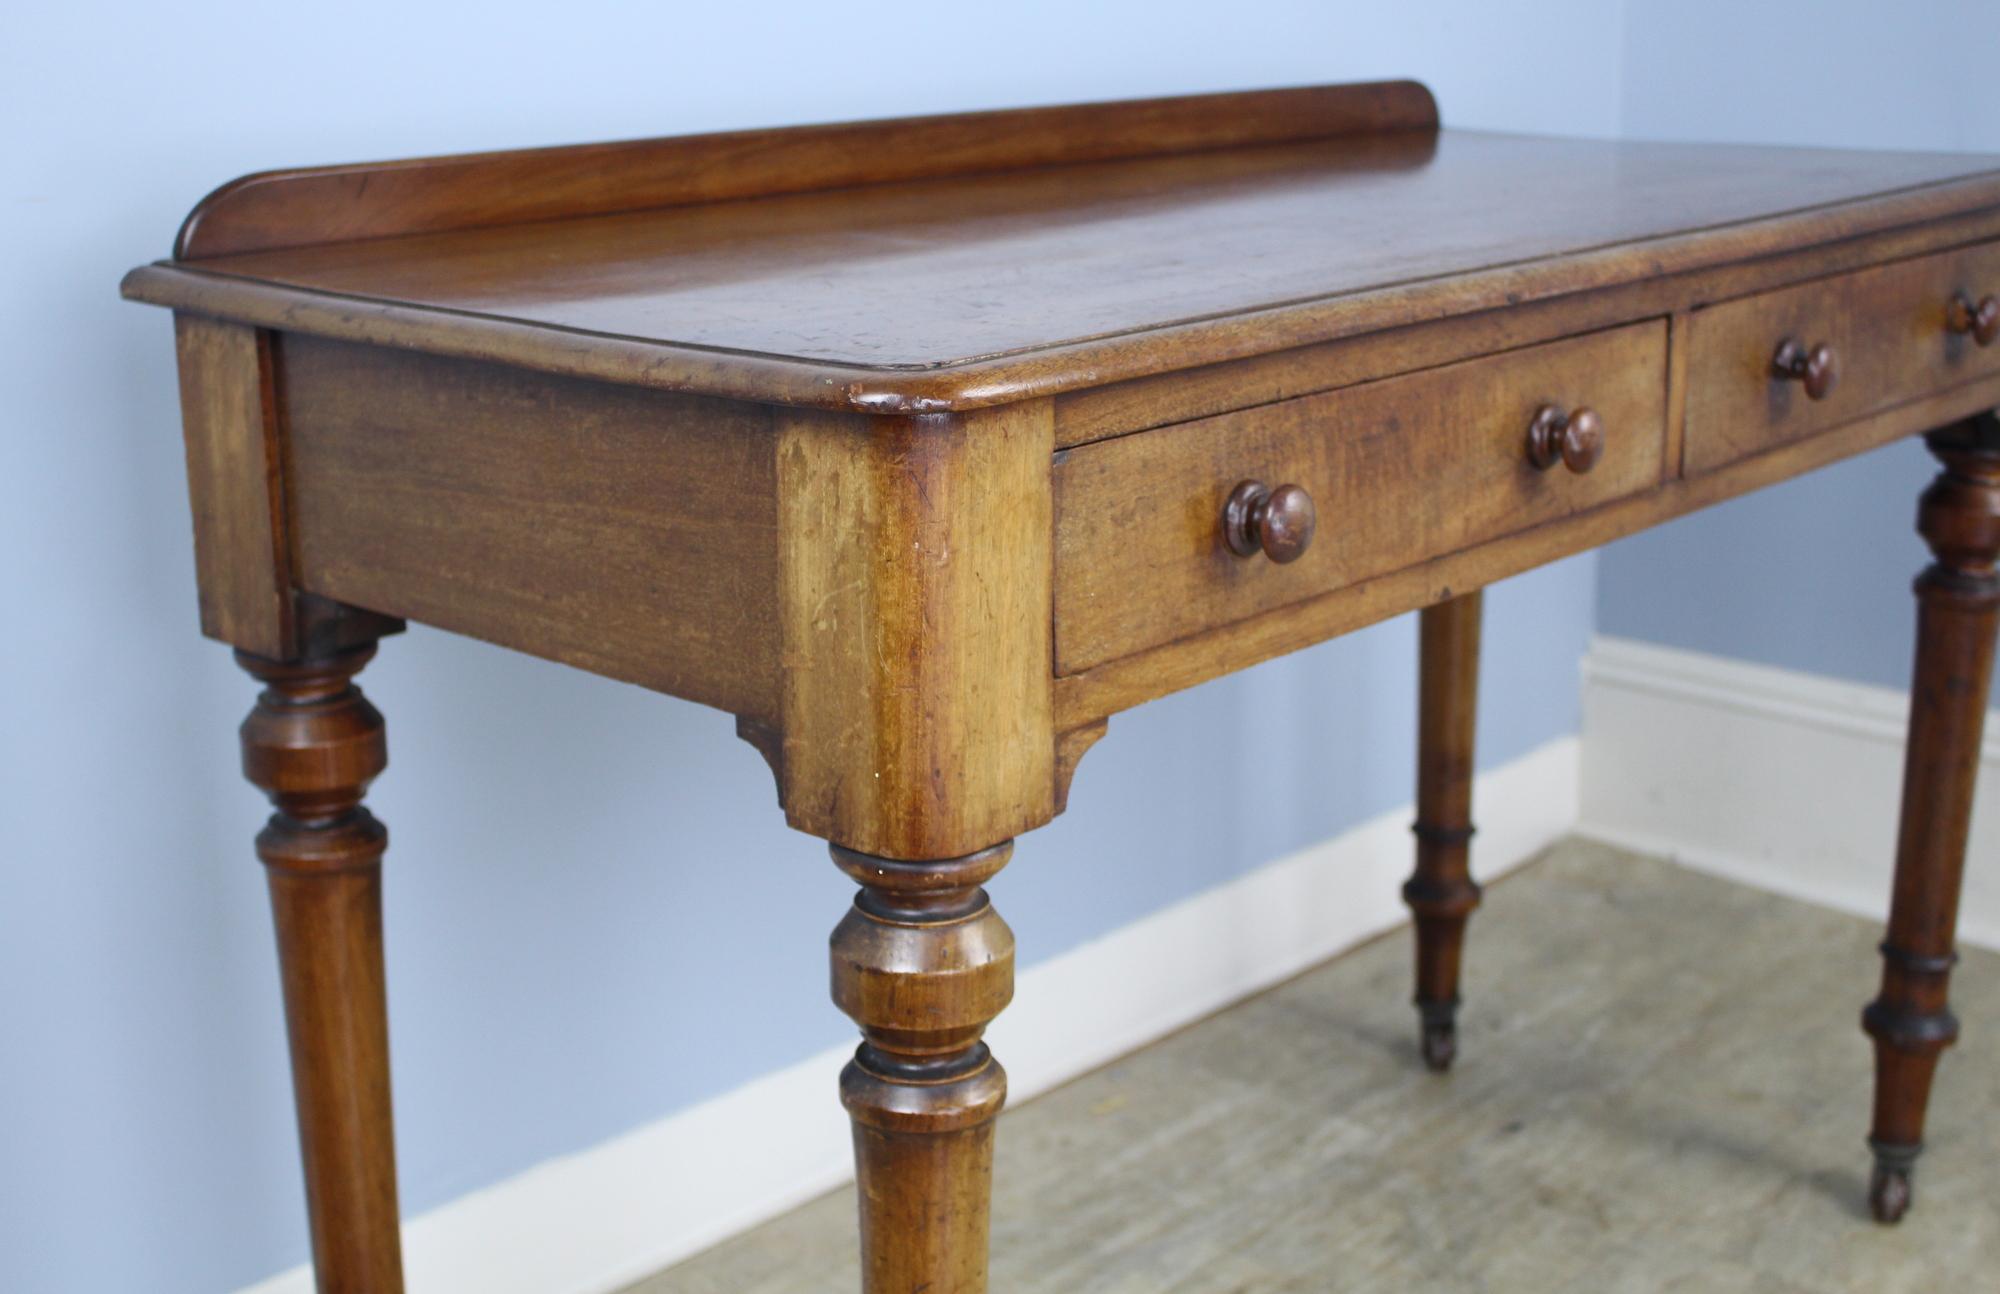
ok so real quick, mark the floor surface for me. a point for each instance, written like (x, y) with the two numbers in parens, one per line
(1662, 1086)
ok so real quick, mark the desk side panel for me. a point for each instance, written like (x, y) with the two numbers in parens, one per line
(628, 532)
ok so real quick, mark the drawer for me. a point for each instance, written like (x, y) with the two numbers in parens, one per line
(1398, 471)
(1890, 331)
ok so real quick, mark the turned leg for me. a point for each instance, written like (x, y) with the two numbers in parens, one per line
(313, 743)
(1442, 893)
(1957, 597)
(923, 963)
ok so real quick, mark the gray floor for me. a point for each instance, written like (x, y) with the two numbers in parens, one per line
(1662, 1086)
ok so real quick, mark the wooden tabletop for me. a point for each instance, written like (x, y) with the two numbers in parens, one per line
(956, 290)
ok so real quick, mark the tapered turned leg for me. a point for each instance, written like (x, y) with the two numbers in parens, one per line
(1442, 893)
(923, 963)
(1957, 599)
(313, 743)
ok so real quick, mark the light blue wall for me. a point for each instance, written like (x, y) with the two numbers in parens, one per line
(572, 859)
(1814, 574)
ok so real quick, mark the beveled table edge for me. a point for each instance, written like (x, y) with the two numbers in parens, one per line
(1060, 367)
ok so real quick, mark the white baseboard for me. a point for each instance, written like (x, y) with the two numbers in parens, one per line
(594, 1221)
(1780, 779)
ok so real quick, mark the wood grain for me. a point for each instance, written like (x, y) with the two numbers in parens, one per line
(1400, 471)
(229, 424)
(1071, 747)
(313, 744)
(294, 208)
(1958, 608)
(923, 964)
(1441, 892)
(961, 291)
(915, 561)
(631, 533)
(1888, 326)
(771, 421)
(1121, 684)
(1100, 412)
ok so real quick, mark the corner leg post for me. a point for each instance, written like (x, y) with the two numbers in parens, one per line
(1958, 597)
(1441, 893)
(313, 743)
(923, 963)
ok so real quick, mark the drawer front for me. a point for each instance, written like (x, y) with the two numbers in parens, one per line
(1399, 470)
(1891, 333)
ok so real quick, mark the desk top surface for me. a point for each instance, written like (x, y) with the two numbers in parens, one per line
(1029, 279)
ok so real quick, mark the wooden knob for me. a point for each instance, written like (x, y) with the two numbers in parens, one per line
(1576, 440)
(1982, 321)
(1816, 369)
(1279, 522)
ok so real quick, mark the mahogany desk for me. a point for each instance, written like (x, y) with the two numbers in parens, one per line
(925, 447)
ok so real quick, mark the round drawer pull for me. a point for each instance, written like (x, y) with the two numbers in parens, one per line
(1981, 321)
(1279, 522)
(1816, 368)
(1576, 440)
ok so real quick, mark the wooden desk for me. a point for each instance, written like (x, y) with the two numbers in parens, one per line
(925, 447)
